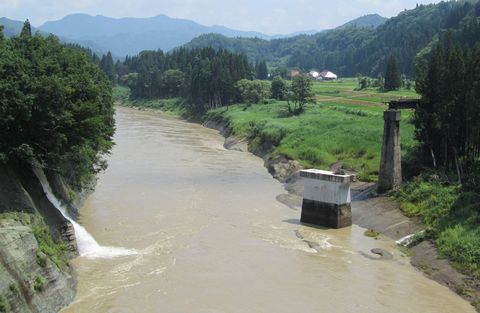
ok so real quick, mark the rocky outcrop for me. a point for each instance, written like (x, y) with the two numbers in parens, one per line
(26, 283)
(36, 242)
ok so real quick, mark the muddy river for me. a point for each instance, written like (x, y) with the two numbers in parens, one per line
(210, 237)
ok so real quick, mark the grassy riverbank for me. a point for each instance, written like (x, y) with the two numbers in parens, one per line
(336, 129)
(344, 126)
(451, 218)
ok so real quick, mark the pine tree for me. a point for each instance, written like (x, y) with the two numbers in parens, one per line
(261, 70)
(393, 79)
(26, 30)
(107, 65)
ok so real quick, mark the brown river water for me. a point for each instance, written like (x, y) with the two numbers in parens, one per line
(211, 237)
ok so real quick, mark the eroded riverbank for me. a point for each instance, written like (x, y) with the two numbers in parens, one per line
(212, 237)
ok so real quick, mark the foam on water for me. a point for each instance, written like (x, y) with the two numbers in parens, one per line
(87, 245)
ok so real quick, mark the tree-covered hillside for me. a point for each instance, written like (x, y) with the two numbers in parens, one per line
(55, 106)
(369, 20)
(354, 49)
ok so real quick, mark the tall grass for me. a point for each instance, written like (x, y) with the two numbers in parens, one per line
(452, 218)
(320, 137)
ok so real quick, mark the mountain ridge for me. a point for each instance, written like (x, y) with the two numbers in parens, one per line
(131, 35)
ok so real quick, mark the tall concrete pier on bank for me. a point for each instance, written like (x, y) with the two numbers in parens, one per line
(326, 199)
(390, 175)
(391, 160)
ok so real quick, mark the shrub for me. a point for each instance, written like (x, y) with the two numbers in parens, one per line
(39, 283)
(4, 307)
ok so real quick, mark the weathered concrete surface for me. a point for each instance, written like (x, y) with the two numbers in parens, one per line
(426, 258)
(381, 213)
(326, 199)
(19, 270)
(60, 228)
(391, 163)
(326, 214)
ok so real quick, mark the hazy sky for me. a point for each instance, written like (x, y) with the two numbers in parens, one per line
(267, 16)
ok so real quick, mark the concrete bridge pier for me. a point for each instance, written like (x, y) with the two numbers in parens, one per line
(326, 199)
(391, 161)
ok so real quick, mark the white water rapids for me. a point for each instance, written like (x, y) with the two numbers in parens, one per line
(87, 245)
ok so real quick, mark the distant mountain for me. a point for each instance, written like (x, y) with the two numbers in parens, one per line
(12, 27)
(129, 36)
(361, 46)
(370, 20)
(278, 47)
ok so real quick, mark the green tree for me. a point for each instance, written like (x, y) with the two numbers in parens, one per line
(446, 120)
(393, 79)
(173, 81)
(279, 88)
(26, 30)
(261, 70)
(300, 93)
(56, 108)
(107, 65)
(252, 91)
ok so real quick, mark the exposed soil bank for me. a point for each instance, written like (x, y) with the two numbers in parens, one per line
(369, 210)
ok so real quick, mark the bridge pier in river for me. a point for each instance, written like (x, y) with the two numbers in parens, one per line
(326, 199)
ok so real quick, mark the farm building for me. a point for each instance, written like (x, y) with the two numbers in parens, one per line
(327, 75)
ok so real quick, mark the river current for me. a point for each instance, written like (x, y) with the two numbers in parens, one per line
(210, 237)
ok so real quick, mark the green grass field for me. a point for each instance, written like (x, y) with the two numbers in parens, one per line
(343, 91)
(339, 128)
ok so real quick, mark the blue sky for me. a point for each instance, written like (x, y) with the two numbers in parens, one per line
(267, 16)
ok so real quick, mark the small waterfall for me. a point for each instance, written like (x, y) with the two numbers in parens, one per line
(87, 245)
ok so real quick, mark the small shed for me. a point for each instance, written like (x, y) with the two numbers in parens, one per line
(327, 75)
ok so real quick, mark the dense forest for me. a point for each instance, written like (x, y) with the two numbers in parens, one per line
(354, 49)
(447, 118)
(205, 77)
(56, 107)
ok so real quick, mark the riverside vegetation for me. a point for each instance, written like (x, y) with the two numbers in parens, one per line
(55, 114)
